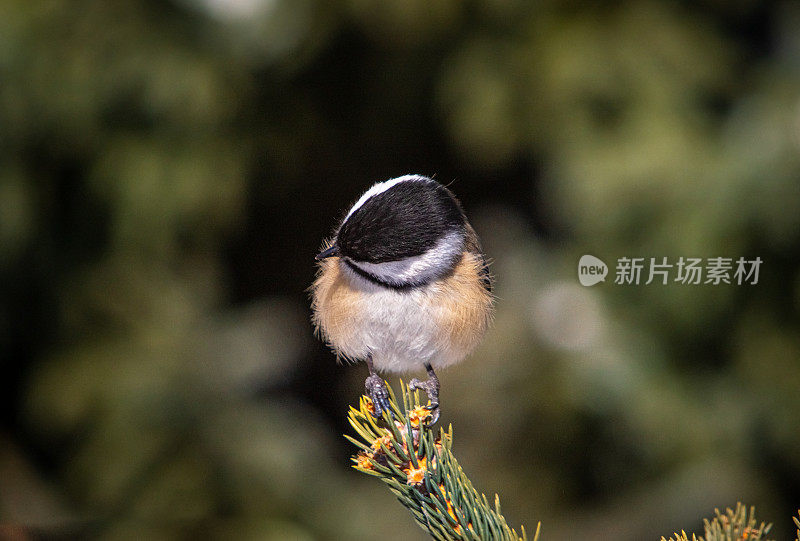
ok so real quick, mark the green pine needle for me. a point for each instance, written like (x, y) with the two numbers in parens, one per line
(733, 525)
(425, 476)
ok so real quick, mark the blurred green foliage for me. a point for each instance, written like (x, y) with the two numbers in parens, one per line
(167, 170)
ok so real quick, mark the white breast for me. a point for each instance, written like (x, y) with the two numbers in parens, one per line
(399, 328)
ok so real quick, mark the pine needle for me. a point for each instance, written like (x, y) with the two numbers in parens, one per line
(417, 463)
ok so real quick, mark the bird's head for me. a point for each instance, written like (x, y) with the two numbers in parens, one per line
(402, 232)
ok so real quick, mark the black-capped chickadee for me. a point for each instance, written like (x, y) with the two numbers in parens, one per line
(403, 284)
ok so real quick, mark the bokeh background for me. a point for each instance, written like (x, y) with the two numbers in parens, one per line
(168, 170)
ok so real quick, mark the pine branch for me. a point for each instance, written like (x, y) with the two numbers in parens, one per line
(428, 481)
(734, 525)
(425, 476)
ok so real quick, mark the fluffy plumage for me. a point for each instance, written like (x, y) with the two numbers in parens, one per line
(409, 284)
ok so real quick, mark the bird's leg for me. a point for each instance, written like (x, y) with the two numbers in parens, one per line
(431, 388)
(376, 391)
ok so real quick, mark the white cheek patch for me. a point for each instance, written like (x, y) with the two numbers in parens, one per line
(381, 187)
(419, 268)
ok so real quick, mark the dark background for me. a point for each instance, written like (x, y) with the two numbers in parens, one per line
(169, 169)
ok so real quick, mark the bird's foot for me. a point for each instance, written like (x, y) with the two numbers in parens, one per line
(431, 388)
(379, 394)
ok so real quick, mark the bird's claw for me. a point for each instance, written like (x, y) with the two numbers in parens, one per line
(431, 388)
(379, 394)
(435, 411)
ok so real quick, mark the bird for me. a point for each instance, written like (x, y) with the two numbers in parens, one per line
(403, 284)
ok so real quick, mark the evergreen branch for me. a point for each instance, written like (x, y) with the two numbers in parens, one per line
(797, 523)
(427, 479)
(734, 525)
(425, 475)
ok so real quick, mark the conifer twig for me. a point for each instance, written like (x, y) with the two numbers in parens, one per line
(417, 464)
(733, 525)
